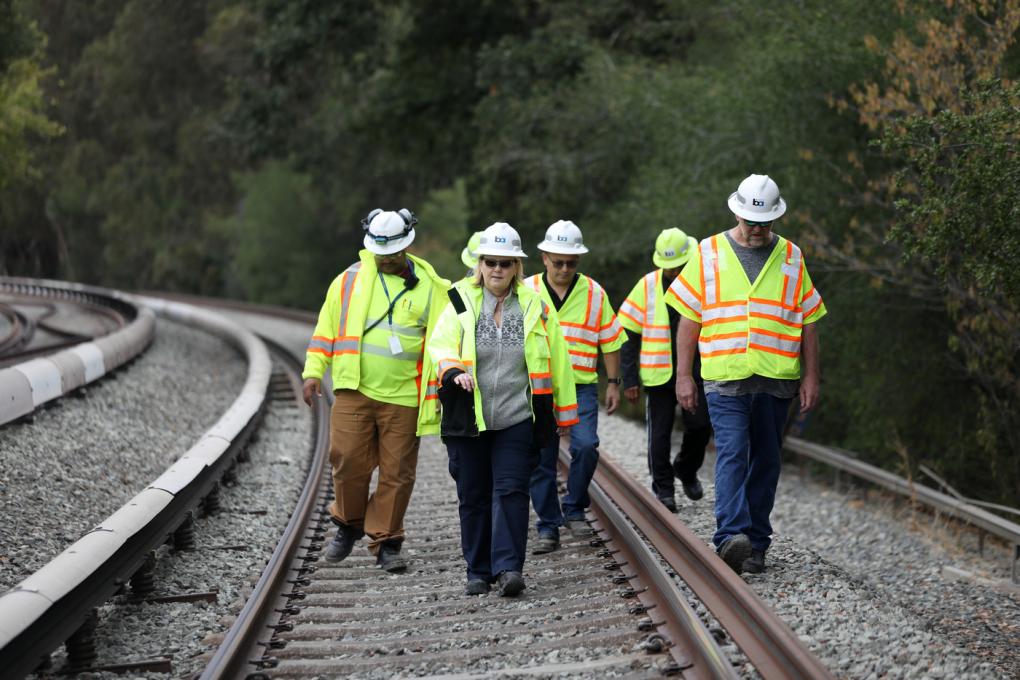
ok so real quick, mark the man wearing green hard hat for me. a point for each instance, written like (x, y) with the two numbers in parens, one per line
(649, 358)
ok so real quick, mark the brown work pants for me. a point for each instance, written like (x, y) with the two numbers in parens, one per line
(366, 434)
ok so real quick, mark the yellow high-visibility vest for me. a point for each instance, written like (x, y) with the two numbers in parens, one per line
(644, 311)
(337, 341)
(452, 345)
(747, 328)
(588, 323)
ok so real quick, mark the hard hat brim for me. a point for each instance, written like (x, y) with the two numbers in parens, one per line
(741, 210)
(671, 262)
(500, 252)
(547, 247)
(389, 248)
(469, 262)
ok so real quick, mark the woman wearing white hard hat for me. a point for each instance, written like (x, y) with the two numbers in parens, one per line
(506, 385)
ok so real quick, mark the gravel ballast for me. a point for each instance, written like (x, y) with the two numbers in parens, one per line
(861, 586)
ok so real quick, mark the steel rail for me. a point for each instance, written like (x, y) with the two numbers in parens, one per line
(955, 507)
(240, 646)
(769, 644)
(18, 328)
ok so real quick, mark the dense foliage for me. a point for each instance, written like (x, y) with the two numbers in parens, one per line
(230, 147)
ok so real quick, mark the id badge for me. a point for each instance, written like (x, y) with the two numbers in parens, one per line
(395, 346)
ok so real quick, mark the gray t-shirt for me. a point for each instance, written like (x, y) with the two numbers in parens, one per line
(501, 370)
(753, 261)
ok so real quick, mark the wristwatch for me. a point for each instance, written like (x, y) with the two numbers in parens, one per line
(614, 381)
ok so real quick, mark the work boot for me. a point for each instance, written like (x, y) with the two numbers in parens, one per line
(755, 564)
(342, 544)
(389, 557)
(669, 503)
(579, 528)
(511, 583)
(476, 586)
(693, 490)
(734, 551)
(546, 543)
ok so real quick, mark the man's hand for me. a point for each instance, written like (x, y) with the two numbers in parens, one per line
(632, 394)
(612, 398)
(809, 392)
(687, 393)
(311, 389)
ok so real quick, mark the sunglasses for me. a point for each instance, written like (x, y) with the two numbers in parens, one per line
(498, 264)
(563, 264)
(763, 225)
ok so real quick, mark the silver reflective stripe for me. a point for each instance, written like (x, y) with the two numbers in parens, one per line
(792, 270)
(345, 345)
(655, 360)
(431, 390)
(594, 314)
(811, 301)
(651, 281)
(790, 316)
(611, 331)
(385, 352)
(572, 332)
(727, 312)
(446, 365)
(710, 293)
(423, 319)
(710, 345)
(681, 291)
(566, 416)
(583, 361)
(631, 310)
(385, 325)
(657, 333)
(541, 383)
(775, 343)
(321, 344)
(345, 294)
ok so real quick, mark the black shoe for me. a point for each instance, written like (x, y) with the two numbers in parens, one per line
(341, 545)
(669, 503)
(693, 490)
(389, 558)
(546, 543)
(476, 586)
(511, 583)
(734, 551)
(755, 564)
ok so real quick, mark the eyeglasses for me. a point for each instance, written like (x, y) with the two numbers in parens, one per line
(498, 264)
(763, 225)
(563, 264)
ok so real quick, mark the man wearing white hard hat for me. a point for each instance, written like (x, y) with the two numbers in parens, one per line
(648, 360)
(749, 307)
(590, 327)
(371, 335)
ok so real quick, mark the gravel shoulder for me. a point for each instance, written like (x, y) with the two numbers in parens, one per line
(861, 581)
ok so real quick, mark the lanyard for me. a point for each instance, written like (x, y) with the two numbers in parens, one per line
(393, 301)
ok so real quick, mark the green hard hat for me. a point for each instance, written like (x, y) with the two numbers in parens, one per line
(468, 256)
(672, 248)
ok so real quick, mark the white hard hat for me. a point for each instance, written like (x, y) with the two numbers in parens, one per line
(388, 232)
(500, 239)
(563, 237)
(757, 199)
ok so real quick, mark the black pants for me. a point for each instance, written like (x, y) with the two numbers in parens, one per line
(660, 414)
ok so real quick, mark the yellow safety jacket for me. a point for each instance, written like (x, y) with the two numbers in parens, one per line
(337, 340)
(644, 311)
(588, 323)
(452, 345)
(747, 328)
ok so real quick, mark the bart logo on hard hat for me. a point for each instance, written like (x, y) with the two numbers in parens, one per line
(500, 239)
(756, 202)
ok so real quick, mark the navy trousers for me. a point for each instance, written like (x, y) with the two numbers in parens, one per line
(492, 472)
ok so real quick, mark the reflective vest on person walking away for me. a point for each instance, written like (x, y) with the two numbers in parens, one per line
(588, 323)
(644, 311)
(402, 371)
(452, 345)
(747, 328)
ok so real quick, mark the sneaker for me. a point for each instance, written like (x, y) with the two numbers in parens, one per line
(734, 551)
(511, 583)
(476, 586)
(693, 490)
(755, 564)
(579, 528)
(546, 543)
(341, 545)
(669, 503)
(389, 558)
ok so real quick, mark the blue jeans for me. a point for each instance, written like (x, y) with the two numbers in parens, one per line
(748, 438)
(492, 472)
(584, 453)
